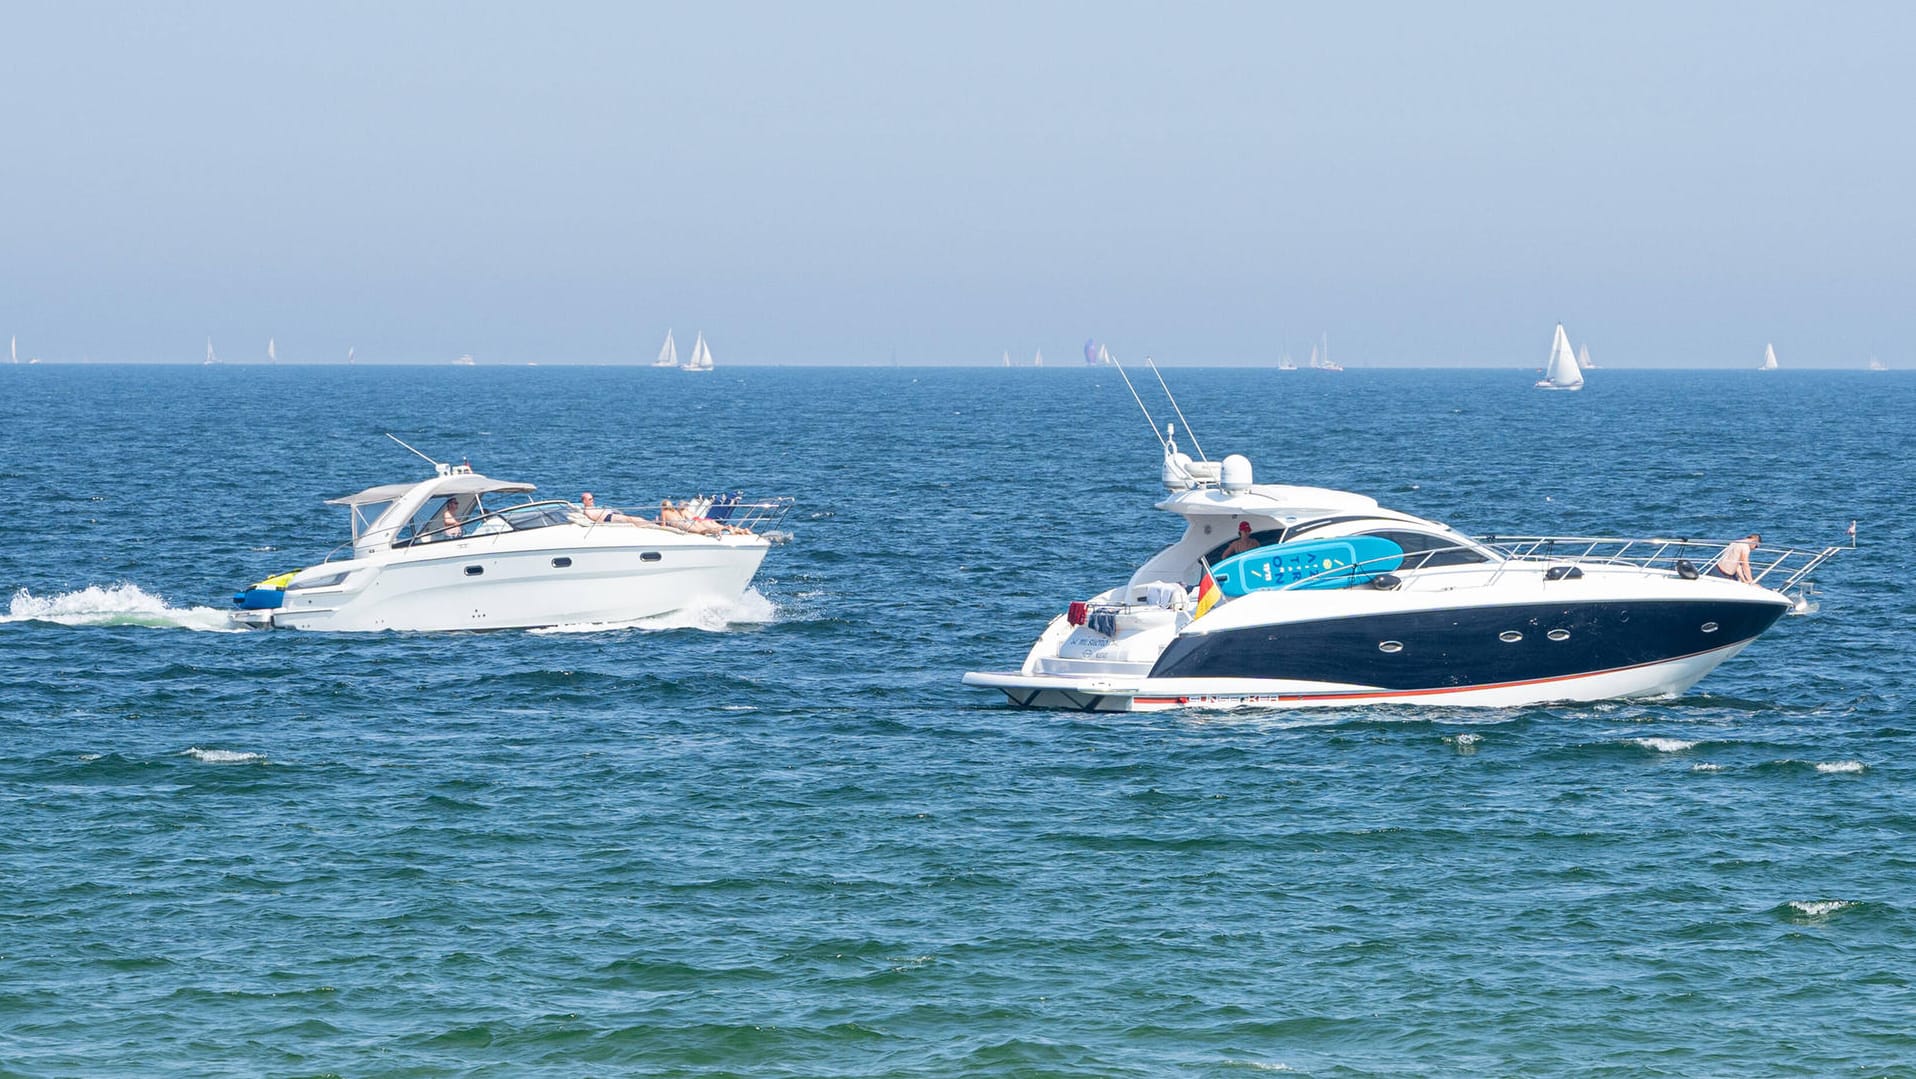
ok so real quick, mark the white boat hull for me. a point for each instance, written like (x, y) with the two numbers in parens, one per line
(607, 574)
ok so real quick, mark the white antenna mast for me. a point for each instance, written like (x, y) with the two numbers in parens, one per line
(1176, 409)
(441, 468)
(1134, 396)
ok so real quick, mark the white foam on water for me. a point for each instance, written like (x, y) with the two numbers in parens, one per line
(711, 614)
(1818, 908)
(1841, 767)
(1468, 738)
(1706, 767)
(114, 605)
(1665, 745)
(224, 756)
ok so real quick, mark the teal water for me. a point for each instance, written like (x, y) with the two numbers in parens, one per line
(781, 839)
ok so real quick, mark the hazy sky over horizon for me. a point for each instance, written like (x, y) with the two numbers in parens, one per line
(1218, 183)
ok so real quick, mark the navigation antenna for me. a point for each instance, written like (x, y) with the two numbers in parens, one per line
(1176, 409)
(441, 469)
(1163, 444)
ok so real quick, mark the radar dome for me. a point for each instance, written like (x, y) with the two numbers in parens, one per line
(1177, 471)
(1236, 473)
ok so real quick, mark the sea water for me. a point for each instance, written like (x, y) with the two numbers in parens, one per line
(780, 838)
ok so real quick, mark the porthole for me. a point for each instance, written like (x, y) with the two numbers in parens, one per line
(1390, 646)
(1558, 635)
(474, 571)
(650, 556)
(561, 563)
(1510, 636)
(1709, 627)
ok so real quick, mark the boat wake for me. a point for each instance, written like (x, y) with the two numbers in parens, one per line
(712, 615)
(114, 605)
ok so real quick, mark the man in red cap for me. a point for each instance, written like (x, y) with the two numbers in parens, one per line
(1243, 542)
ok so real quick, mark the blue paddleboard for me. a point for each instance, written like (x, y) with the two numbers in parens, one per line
(1325, 563)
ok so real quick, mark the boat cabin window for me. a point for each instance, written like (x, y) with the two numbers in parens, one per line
(539, 515)
(430, 523)
(1423, 550)
(365, 513)
(1265, 538)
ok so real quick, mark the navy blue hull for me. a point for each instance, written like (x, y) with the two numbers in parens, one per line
(1466, 647)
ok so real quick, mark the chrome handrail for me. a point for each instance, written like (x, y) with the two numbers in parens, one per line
(1777, 568)
(754, 516)
(1791, 566)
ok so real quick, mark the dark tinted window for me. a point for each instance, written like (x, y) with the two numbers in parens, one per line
(1264, 539)
(1422, 549)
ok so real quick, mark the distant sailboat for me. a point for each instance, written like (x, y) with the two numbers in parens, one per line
(1769, 359)
(465, 361)
(349, 355)
(1096, 355)
(1583, 359)
(668, 352)
(1037, 360)
(1321, 360)
(1562, 374)
(1874, 364)
(701, 356)
(13, 348)
(272, 356)
(210, 358)
(1007, 358)
(1287, 364)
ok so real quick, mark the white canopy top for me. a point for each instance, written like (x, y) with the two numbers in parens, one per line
(1266, 500)
(459, 483)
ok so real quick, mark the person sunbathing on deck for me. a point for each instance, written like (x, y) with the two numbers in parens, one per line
(601, 515)
(673, 517)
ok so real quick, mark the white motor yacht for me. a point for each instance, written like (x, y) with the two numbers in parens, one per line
(1339, 601)
(448, 553)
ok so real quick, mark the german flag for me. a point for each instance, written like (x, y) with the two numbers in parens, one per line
(1208, 594)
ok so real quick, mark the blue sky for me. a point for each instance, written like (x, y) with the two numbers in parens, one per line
(830, 183)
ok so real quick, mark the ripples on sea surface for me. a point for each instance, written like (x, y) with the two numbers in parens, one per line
(782, 840)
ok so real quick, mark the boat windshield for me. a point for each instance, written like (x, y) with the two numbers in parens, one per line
(536, 515)
(464, 516)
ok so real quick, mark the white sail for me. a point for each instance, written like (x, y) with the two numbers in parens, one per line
(1583, 358)
(1038, 359)
(701, 355)
(210, 358)
(1874, 364)
(1104, 356)
(13, 348)
(1769, 359)
(1562, 374)
(668, 352)
(272, 354)
(1007, 358)
(349, 355)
